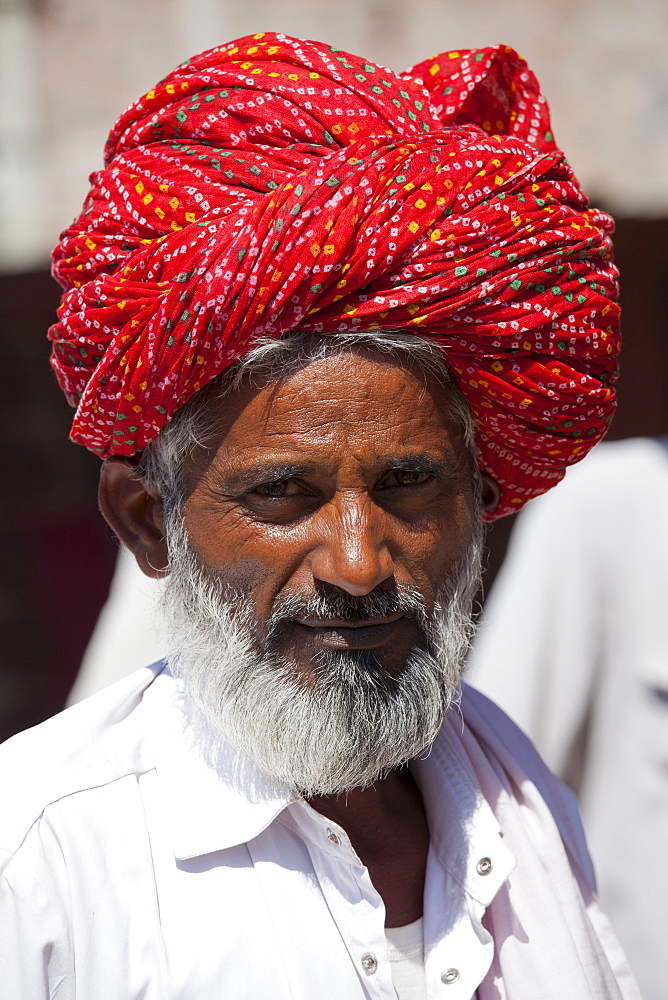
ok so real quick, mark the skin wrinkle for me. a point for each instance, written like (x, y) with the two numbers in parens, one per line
(162, 466)
(350, 539)
(309, 408)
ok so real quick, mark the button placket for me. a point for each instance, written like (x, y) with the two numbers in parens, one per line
(362, 930)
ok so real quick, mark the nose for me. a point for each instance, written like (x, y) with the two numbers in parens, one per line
(353, 552)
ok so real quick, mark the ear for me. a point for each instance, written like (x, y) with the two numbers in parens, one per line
(491, 493)
(134, 512)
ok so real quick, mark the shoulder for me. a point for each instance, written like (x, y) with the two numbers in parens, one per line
(88, 745)
(626, 467)
(492, 726)
(502, 739)
(525, 774)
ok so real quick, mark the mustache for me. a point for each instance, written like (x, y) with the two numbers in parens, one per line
(332, 603)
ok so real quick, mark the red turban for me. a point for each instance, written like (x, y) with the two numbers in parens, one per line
(274, 184)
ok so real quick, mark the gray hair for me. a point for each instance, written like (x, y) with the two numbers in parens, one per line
(161, 463)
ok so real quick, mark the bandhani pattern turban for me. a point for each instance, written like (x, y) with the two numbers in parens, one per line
(273, 184)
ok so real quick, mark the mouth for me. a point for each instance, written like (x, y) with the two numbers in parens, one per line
(335, 634)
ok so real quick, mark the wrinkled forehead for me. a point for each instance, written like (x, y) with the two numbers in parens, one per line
(355, 402)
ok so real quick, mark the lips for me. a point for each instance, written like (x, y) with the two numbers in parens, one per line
(347, 635)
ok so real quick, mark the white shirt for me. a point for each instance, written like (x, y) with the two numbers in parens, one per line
(574, 646)
(140, 859)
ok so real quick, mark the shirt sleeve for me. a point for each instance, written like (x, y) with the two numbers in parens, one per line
(36, 959)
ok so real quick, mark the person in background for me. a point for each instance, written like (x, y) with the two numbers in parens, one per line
(321, 321)
(574, 646)
(128, 632)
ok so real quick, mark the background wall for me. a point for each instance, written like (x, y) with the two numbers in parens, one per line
(67, 69)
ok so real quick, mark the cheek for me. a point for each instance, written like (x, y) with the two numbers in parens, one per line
(251, 559)
(441, 542)
(217, 537)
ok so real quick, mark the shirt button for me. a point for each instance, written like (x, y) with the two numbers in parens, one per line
(369, 963)
(333, 839)
(450, 976)
(484, 866)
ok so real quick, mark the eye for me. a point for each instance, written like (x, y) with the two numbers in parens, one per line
(405, 477)
(279, 488)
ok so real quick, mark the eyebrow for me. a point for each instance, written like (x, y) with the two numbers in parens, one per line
(265, 472)
(271, 472)
(417, 461)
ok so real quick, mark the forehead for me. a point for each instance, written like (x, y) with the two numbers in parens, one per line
(343, 402)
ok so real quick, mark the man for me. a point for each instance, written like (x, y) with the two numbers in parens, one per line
(320, 321)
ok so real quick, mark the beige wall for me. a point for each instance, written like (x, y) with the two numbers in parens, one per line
(68, 67)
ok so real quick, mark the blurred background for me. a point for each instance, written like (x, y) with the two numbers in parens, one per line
(575, 637)
(68, 68)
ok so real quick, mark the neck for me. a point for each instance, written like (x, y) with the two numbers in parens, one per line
(363, 812)
(387, 827)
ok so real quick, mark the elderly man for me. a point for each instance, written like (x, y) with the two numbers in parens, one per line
(320, 321)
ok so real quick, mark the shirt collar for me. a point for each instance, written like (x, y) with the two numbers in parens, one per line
(465, 834)
(213, 797)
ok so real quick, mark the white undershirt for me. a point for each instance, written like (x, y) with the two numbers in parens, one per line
(405, 948)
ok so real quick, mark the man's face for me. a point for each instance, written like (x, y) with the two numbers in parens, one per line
(349, 477)
(322, 572)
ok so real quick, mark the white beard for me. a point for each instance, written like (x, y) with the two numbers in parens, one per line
(354, 721)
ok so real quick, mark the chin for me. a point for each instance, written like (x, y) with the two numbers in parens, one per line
(319, 720)
(342, 724)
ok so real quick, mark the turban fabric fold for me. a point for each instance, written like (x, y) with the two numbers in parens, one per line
(274, 184)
